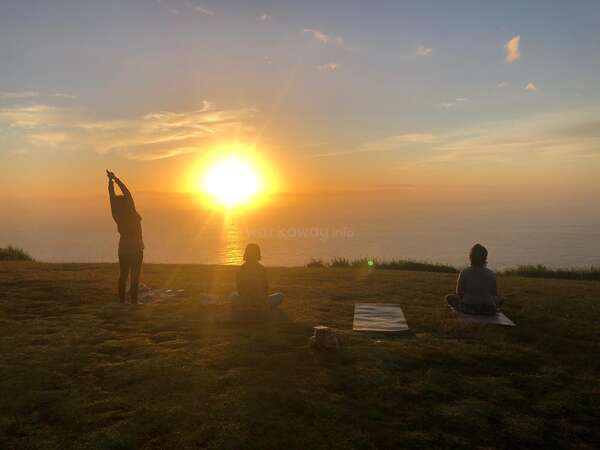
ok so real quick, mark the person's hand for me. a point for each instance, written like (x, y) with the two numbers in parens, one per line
(111, 176)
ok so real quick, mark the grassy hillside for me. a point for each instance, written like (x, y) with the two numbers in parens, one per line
(79, 370)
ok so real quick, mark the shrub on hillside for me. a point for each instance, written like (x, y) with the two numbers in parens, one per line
(315, 263)
(339, 262)
(541, 271)
(11, 253)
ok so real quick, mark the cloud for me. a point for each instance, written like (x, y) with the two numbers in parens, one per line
(503, 84)
(202, 10)
(61, 95)
(18, 95)
(36, 116)
(391, 143)
(452, 104)
(531, 87)
(264, 17)
(155, 135)
(423, 51)
(514, 146)
(331, 67)
(323, 37)
(512, 49)
(174, 11)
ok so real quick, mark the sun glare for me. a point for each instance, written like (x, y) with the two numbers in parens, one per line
(231, 181)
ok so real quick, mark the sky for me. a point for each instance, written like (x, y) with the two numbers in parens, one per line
(481, 98)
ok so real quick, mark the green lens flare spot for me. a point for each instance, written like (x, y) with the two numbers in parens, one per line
(370, 263)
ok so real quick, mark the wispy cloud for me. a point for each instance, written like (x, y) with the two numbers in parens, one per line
(531, 87)
(61, 95)
(203, 10)
(330, 67)
(264, 17)
(155, 135)
(423, 51)
(512, 49)
(556, 138)
(503, 84)
(390, 143)
(452, 104)
(36, 116)
(18, 95)
(324, 38)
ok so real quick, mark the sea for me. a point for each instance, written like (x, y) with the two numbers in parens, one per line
(292, 229)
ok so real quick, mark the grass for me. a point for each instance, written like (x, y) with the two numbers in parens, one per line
(78, 370)
(11, 253)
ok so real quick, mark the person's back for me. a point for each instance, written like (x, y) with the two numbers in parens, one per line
(252, 285)
(477, 286)
(476, 289)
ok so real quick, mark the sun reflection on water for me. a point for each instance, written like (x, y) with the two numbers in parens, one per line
(232, 243)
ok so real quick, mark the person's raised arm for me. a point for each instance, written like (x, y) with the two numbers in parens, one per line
(126, 193)
(111, 193)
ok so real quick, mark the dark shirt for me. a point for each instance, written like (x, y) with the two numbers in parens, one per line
(252, 285)
(477, 286)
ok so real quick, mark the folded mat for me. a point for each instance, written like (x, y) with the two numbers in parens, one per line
(378, 317)
(498, 319)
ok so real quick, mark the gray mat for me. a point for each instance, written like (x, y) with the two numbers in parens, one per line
(378, 317)
(498, 319)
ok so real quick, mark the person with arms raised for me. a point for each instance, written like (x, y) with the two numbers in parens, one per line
(131, 245)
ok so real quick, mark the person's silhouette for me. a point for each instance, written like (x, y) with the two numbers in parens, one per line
(476, 288)
(252, 285)
(131, 245)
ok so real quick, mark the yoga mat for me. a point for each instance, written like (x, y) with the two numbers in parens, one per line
(498, 319)
(378, 317)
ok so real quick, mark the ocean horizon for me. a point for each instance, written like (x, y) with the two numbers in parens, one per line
(294, 230)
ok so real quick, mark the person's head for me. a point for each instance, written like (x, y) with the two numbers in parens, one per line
(252, 253)
(478, 256)
(123, 209)
(120, 205)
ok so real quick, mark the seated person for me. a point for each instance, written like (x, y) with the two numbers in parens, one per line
(476, 290)
(252, 285)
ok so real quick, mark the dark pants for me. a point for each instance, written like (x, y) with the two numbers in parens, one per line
(130, 263)
(467, 308)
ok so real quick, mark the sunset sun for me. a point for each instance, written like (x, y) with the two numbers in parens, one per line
(231, 181)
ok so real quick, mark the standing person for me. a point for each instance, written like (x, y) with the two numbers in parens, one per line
(476, 288)
(252, 285)
(131, 245)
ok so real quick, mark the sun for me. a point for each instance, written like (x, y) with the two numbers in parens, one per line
(231, 181)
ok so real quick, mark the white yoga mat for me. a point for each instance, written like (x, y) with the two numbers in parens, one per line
(498, 319)
(378, 317)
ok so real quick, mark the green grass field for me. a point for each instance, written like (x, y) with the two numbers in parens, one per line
(79, 370)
